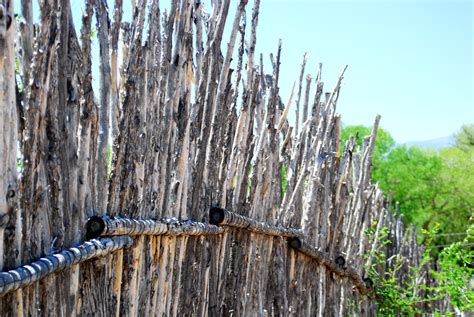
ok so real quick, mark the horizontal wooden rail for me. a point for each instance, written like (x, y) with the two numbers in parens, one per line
(28, 274)
(221, 216)
(105, 226)
(337, 266)
(122, 228)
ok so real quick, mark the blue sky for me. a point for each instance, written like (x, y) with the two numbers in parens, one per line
(409, 60)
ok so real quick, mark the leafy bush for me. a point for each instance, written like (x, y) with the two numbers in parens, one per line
(402, 289)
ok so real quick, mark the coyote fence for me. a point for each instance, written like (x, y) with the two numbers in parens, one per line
(174, 184)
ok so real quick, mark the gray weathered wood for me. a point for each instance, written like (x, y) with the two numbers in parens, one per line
(193, 124)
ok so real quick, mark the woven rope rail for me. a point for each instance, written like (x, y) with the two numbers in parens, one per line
(337, 266)
(221, 216)
(120, 230)
(28, 274)
(224, 217)
(104, 226)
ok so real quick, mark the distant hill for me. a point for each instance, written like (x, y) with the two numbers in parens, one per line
(434, 144)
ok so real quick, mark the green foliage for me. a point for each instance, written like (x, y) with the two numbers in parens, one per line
(394, 296)
(109, 159)
(283, 180)
(403, 294)
(455, 201)
(411, 173)
(19, 81)
(17, 66)
(383, 143)
(19, 165)
(456, 272)
(465, 137)
(435, 191)
(431, 187)
(93, 33)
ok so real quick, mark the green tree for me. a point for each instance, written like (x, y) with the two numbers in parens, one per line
(383, 143)
(465, 137)
(456, 200)
(430, 186)
(412, 176)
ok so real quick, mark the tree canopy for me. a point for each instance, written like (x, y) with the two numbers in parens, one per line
(465, 137)
(383, 143)
(431, 187)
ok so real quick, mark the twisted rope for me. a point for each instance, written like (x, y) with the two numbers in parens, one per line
(221, 216)
(104, 226)
(120, 230)
(337, 266)
(28, 274)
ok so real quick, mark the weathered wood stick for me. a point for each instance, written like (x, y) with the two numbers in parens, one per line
(30, 273)
(336, 266)
(221, 216)
(103, 226)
